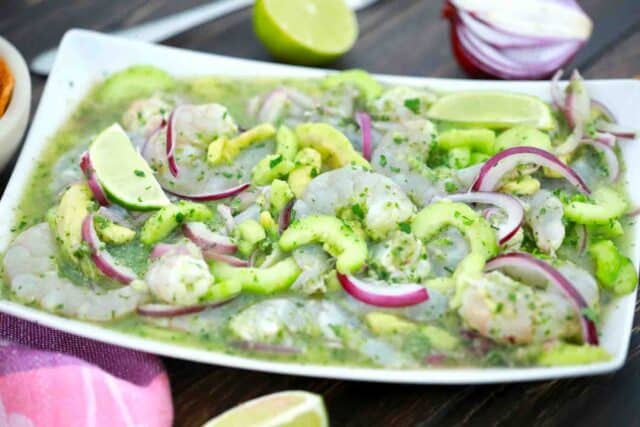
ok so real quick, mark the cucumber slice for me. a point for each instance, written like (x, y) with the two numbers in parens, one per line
(123, 173)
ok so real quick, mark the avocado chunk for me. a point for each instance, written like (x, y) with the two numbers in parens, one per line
(338, 238)
(606, 205)
(367, 85)
(522, 135)
(479, 140)
(163, 222)
(224, 150)
(571, 354)
(335, 148)
(134, 82)
(111, 232)
(614, 271)
(67, 221)
(276, 278)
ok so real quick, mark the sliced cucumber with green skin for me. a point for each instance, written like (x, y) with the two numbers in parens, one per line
(222, 291)
(480, 140)
(335, 148)
(124, 175)
(436, 216)
(614, 271)
(162, 223)
(522, 136)
(339, 240)
(286, 143)
(367, 85)
(134, 82)
(608, 205)
(563, 354)
(259, 280)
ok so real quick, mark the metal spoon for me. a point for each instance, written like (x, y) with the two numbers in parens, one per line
(163, 28)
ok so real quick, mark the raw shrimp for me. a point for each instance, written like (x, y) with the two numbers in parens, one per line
(144, 116)
(402, 104)
(30, 267)
(383, 204)
(544, 216)
(508, 311)
(401, 258)
(314, 263)
(196, 127)
(179, 275)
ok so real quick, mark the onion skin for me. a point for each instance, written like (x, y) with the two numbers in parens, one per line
(101, 258)
(489, 177)
(387, 296)
(211, 196)
(526, 261)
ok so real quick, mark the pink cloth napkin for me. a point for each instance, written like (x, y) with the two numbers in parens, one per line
(50, 378)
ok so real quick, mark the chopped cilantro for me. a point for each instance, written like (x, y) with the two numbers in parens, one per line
(413, 104)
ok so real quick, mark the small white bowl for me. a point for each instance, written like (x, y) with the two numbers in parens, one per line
(14, 121)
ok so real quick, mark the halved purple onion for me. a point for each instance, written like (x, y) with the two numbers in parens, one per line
(498, 166)
(103, 259)
(167, 310)
(208, 197)
(394, 295)
(364, 121)
(210, 254)
(509, 204)
(526, 263)
(285, 216)
(610, 157)
(172, 140)
(202, 236)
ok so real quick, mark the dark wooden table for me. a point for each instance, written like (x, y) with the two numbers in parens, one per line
(397, 37)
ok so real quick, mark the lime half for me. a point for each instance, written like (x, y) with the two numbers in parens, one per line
(305, 31)
(492, 109)
(287, 408)
(123, 173)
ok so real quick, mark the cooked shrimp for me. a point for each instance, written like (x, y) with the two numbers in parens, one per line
(383, 203)
(180, 276)
(33, 276)
(507, 311)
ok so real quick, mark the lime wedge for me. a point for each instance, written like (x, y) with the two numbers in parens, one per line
(123, 173)
(287, 408)
(492, 109)
(305, 31)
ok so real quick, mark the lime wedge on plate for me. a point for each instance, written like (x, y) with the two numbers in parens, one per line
(305, 31)
(123, 173)
(492, 109)
(287, 408)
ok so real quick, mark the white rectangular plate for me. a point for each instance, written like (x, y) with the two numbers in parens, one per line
(86, 57)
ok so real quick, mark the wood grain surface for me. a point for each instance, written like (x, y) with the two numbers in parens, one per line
(397, 37)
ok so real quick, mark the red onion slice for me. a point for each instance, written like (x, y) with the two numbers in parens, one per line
(606, 138)
(577, 104)
(509, 204)
(364, 121)
(556, 93)
(617, 130)
(167, 310)
(103, 259)
(498, 166)
(583, 238)
(610, 157)
(210, 254)
(208, 197)
(528, 264)
(202, 236)
(272, 106)
(265, 347)
(396, 295)
(172, 140)
(92, 180)
(285, 216)
(162, 249)
(604, 111)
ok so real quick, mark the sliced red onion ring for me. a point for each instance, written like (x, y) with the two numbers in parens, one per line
(167, 310)
(202, 236)
(606, 138)
(604, 110)
(208, 197)
(172, 140)
(610, 157)
(210, 254)
(265, 347)
(509, 204)
(617, 130)
(161, 249)
(583, 238)
(364, 121)
(272, 106)
(528, 264)
(103, 259)
(572, 142)
(496, 167)
(577, 104)
(556, 93)
(285, 216)
(396, 295)
(92, 180)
